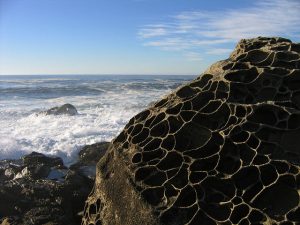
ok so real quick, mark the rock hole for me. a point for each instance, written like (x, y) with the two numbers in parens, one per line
(141, 136)
(185, 92)
(161, 103)
(246, 177)
(268, 174)
(264, 115)
(205, 164)
(137, 129)
(152, 145)
(174, 110)
(153, 195)
(92, 209)
(253, 142)
(244, 76)
(170, 161)
(256, 216)
(201, 100)
(158, 119)
(187, 197)
(211, 107)
(238, 213)
(240, 111)
(160, 130)
(144, 172)
(187, 115)
(294, 121)
(137, 158)
(150, 155)
(191, 136)
(277, 206)
(168, 143)
(180, 180)
(156, 179)
(260, 159)
(196, 177)
(250, 193)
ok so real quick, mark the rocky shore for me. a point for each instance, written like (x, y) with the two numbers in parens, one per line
(37, 189)
(221, 149)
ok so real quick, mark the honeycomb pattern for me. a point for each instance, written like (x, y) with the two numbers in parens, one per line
(223, 149)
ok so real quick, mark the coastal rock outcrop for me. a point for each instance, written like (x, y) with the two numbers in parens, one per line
(66, 109)
(38, 189)
(222, 149)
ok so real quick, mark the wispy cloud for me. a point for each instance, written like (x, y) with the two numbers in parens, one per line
(209, 31)
(218, 51)
(193, 56)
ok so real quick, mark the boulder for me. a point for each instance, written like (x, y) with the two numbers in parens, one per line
(66, 109)
(38, 189)
(222, 149)
(88, 158)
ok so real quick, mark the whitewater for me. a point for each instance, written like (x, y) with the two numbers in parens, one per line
(105, 104)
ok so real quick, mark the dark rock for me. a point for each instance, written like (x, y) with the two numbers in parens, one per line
(35, 158)
(40, 190)
(88, 158)
(66, 109)
(91, 154)
(222, 149)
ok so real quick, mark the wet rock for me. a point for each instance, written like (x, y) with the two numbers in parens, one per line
(88, 158)
(66, 109)
(222, 149)
(40, 190)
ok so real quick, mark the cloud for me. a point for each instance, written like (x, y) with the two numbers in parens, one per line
(210, 31)
(218, 51)
(193, 56)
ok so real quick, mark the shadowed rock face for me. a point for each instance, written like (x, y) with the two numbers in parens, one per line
(40, 190)
(222, 149)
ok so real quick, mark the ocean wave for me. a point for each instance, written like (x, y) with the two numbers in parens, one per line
(104, 106)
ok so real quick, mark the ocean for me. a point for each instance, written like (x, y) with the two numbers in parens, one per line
(105, 104)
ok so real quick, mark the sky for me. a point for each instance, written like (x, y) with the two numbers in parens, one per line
(133, 36)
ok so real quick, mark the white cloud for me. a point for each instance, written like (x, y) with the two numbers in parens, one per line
(218, 51)
(153, 31)
(193, 56)
(209, 31)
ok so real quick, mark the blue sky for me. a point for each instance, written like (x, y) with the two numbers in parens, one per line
(133, 36)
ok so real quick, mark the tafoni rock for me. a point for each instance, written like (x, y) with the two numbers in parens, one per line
(222, 149)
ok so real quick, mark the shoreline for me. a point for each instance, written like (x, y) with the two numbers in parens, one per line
(37, 188)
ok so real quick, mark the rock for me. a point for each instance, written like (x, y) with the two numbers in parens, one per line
(222, 149)
(5, 222)
(66, 109)
(35, 158)
(40, 190)
(88, 158)
(57, 174)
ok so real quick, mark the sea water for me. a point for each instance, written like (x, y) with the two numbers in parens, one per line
(105, 104)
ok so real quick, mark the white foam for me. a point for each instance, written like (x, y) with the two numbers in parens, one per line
(102, 115)
(100, 118)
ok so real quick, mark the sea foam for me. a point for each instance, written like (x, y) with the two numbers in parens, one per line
(104, 106)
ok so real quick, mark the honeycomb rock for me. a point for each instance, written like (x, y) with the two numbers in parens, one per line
(222, 149)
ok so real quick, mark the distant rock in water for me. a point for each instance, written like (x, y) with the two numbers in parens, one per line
(66, 109)
(222, 149)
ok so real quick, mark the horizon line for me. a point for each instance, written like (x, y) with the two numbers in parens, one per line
(99, 74)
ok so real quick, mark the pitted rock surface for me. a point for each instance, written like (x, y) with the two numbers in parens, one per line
(222, 149)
